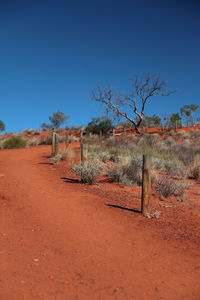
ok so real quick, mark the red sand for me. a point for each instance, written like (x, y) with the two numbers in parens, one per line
(60, 240)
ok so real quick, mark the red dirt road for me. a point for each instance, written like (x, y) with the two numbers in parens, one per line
(58, 241)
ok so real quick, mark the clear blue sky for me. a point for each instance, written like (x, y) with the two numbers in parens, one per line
(52, 53)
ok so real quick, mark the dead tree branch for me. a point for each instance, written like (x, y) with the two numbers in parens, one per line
(141, 90)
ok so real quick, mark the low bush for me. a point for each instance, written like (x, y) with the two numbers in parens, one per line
(103, 156)
(115, 173)
(166, 187)
(62, 139)
(88, 174)
(157, 163)
(128, 172)
(66, 154)
(91, 139)
(55, 159)
(46, 140)
(195, 172)
(2, 139)
(15, 142)
(184, 152)
(181, 186)
(72, 139)
(33, 141)
(174, 168)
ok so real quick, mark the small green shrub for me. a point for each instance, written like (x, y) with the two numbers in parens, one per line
(15, 142)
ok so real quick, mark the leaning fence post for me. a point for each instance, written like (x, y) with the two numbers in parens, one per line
(84, 156)
(146, 185)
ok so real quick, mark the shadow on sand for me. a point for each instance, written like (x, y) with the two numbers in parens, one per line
(124, 208)
(70, 180)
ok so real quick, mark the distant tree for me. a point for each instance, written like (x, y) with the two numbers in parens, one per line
(103, 124)
(175, 119)
(2, 126)
(188, 110)
(45, 126)
(150, 121)
(141, 91)
(57, 119)
(73, 128)
(167, 119)
(124, 125)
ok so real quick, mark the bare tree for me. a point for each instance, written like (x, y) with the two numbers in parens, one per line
(132, 105)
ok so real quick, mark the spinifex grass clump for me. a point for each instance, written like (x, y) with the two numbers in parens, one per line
(167, 186)
(15, 142)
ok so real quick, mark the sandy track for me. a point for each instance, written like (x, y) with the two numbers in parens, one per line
(58, 242)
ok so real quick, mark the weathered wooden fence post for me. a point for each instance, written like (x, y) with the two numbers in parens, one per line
(113, 132)
(56, 143)
(181, 122)
(81, 137)
(100, 135)
(84, 156)
(146, 185)
(53, 144)
(67, 141)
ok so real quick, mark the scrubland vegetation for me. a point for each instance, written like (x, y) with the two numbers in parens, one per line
(175, 157)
